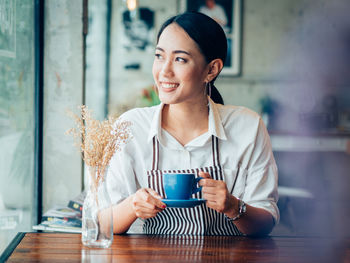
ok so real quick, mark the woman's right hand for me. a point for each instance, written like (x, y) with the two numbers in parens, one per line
(146, 203)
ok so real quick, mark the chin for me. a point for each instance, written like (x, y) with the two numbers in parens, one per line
(167, 99)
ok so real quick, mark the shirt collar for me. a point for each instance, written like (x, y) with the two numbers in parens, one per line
(156, 124)
(215, 124)
(216, 127)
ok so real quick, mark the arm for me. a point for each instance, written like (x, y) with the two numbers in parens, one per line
(260, 190)
(256, 221)
(123, 216)
(144, 204)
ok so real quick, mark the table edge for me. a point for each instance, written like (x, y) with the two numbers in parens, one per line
(11, 247)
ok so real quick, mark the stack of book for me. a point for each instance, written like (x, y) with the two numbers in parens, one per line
(63, 218)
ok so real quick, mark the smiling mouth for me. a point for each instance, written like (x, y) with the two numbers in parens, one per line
(169, 86)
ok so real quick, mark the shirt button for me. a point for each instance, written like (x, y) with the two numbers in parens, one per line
(186, 157)
(187, 153)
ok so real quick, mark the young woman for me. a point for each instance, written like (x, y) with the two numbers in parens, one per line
(193, 132)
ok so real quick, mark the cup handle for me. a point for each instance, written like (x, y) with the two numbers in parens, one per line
(195, 188)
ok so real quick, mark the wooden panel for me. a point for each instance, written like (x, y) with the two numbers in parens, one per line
(59, 247)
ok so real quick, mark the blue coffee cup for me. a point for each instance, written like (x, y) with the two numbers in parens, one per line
(180, 185)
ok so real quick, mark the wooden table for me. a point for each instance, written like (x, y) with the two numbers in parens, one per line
(62, 247)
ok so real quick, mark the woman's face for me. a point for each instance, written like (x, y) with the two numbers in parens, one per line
(179, 68)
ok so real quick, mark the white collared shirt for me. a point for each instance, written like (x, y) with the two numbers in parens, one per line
(244, 147)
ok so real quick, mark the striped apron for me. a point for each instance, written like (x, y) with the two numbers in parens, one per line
(199, 220)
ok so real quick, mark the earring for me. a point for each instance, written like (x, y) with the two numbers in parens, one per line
(208, 88)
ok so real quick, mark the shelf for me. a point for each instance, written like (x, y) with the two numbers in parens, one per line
(308, 143)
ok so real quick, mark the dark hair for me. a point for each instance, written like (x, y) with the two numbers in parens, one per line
(209, 37)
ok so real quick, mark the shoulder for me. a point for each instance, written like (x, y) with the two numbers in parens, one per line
(139, 116)
(141, 120)
(238, 115)
(241, 123)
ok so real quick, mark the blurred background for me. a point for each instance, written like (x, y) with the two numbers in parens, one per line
(288, 60)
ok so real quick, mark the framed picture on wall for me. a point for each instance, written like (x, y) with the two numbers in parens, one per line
(228, 14)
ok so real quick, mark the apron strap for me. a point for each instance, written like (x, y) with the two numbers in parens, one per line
(155, 162)
(214, 145)
(215, 150)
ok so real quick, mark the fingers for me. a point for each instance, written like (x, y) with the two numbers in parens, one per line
(153, 193)
(208, 196)
(215, 193)
(217, 206)
(150, 198)
(215, 197)
(217, 189)
(204, 174)
(205, 181)
(212, 183)
(218, 201)
(145, 212)
(146, 203)
(208, 182)
(156, 198)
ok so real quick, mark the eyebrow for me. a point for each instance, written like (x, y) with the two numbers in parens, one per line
(175, 51)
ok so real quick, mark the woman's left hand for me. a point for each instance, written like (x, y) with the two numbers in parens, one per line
(217, 195)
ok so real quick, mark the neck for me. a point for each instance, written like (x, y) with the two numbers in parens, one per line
(185, 121)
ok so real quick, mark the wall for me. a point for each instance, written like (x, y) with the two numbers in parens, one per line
(126, 84)
(290, 50)
(62, 91)
(96, 57)
(264, 25)
(277, 39)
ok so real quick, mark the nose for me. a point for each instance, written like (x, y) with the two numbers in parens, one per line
(167, 69)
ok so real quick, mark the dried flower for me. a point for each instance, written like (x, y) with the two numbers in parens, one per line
(98, 140)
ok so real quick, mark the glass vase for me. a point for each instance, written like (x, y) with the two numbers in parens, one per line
(97, 217)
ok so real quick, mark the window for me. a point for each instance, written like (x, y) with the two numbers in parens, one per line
(17, 118)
